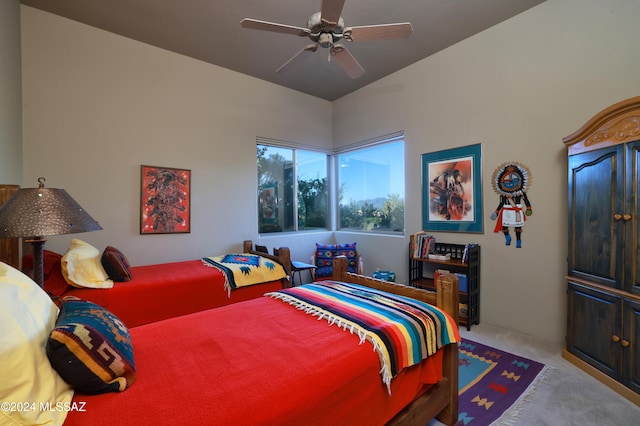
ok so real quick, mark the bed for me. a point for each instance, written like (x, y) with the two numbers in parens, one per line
(264, 362)
(162, 291)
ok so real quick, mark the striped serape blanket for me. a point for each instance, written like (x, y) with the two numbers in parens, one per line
(241, 270)
(403, 331)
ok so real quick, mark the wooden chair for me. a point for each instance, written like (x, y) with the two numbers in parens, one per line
(298, 267)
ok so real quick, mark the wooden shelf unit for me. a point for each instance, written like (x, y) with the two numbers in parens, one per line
(421, 274)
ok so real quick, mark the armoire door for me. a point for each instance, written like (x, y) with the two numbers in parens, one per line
(632, 246)
(594, 328)
(631, 351)
(596, 215)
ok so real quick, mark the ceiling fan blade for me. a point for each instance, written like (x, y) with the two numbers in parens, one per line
(331, 11)
(298, 57)
(256, 24)
(347, 61)
(378, 32)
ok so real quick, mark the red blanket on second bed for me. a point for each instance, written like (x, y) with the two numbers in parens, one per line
(166, 290)
(260, 362)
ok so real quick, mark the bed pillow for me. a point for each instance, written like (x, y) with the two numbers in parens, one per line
(91, 348)
(324, 260)
(81, 266)
(27, 316)
(116, 264)
(54, 282)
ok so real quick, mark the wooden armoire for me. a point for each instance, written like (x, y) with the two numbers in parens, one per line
(603, 293)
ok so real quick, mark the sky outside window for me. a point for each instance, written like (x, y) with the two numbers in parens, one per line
(372, 173)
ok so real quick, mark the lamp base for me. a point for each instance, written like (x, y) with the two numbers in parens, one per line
(38, 259)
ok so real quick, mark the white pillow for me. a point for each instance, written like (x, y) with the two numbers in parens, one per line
(28, 382)
(82, 267)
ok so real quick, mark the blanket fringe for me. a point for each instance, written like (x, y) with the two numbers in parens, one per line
(227, 286)
(331, 319)
(511, 417)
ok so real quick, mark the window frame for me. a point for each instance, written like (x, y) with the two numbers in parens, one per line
(332, 223)
(295, 208)
(371, 143)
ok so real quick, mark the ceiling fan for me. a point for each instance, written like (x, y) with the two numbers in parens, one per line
(325, 29)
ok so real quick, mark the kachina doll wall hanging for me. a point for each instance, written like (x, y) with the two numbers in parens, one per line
(511, 181)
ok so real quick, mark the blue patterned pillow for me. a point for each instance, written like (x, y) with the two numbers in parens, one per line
(349, 251)
(324, 260)
(91, 348)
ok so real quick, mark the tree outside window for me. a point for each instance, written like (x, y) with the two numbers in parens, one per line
(292, 189)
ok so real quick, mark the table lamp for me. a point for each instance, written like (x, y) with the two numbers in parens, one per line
(34, 213)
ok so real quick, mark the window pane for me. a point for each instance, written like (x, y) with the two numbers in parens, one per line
(313, 192)
(292, 189)
(275, 189)
(371, 188)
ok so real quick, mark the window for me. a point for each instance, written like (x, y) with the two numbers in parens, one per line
(292, 189)
(371, 187)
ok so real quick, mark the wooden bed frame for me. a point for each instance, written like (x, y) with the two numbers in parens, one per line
(178, 288)
(441, 400)
(283, 257)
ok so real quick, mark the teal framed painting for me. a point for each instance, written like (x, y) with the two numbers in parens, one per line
(452, 190)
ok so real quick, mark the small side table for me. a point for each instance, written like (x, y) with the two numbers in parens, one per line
(299, 267)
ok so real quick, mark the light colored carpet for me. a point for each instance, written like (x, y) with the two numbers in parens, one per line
(568, 395)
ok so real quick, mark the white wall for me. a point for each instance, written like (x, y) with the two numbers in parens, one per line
(97, 106)
(517, 88)
(10, 94)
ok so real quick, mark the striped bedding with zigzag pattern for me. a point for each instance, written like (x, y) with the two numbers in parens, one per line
(403, 331)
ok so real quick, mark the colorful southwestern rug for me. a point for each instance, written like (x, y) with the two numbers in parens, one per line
(493, 384)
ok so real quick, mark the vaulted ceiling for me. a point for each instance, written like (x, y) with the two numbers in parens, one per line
(209, 30)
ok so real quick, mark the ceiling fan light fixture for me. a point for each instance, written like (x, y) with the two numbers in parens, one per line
(325, 40)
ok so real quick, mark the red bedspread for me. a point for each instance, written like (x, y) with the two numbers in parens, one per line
(166, 290)
(257, 362)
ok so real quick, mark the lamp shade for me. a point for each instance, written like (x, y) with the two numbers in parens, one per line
(39, 212)
(34, 213)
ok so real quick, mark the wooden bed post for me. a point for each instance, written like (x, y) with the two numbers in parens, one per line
(339, 268)
(447, 295)
(447, 298)
(283, 257)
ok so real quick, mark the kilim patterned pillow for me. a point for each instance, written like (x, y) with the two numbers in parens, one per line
(116, 264)
(91, 348)
(324, 260)
(349, 251)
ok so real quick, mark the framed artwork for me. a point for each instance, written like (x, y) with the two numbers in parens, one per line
(165, 200)
(452, 190)
(269, 203)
